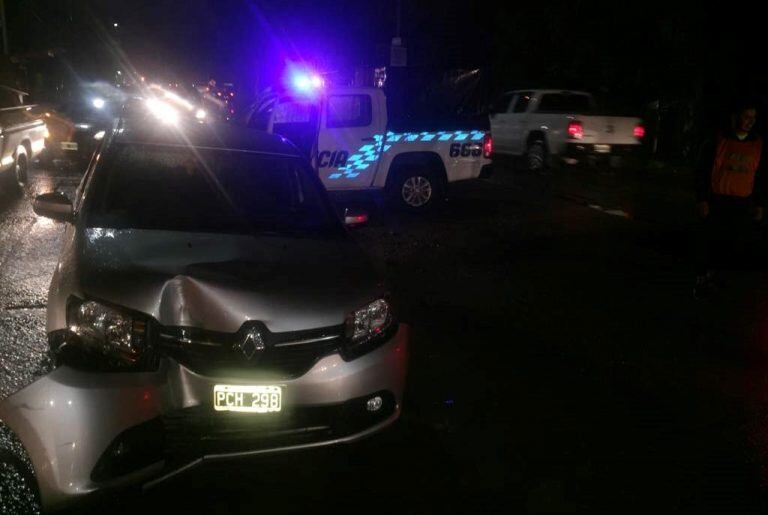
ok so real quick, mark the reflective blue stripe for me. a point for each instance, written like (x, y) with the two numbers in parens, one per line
(370, 153)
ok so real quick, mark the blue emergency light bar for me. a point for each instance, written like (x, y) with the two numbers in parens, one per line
(306, 83)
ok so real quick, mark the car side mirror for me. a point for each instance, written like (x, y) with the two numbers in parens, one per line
(55, 206)
(355, 217)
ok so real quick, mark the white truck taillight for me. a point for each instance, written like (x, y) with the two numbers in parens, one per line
(487, 146)
(575, 130)
(639, 132)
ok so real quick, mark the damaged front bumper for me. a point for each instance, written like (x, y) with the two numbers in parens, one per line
(85, 432)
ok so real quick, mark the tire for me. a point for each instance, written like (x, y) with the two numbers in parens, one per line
(536, 156)
(18, 487)
(21, 168)
(416, 190)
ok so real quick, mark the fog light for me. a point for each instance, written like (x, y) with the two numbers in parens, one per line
(374, 403)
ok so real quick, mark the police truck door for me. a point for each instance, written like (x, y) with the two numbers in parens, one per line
(349, 144)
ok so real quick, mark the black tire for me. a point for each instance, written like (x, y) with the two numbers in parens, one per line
(21, 168)
(416, 190)
(18, 487)
(536, 156)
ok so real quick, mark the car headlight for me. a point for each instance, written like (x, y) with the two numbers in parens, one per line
(367, 326)
(115, 335)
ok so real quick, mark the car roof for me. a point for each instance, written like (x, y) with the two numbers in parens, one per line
(140, 129)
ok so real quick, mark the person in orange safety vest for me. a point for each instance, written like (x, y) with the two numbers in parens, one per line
(730, 191)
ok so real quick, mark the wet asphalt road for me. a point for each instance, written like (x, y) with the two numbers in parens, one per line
(559, 362)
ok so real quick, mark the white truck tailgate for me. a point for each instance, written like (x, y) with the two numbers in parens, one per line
(610, 130)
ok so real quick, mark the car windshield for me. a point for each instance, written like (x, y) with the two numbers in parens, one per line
(201, 190)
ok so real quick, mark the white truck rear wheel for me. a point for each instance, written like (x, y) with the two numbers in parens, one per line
(21, 167)
(536, 156)
(416, 190)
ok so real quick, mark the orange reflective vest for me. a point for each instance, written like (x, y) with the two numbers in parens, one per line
(736, 163)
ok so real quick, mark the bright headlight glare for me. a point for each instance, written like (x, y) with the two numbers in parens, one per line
(369, 321)
(163, 111)
(106, 329)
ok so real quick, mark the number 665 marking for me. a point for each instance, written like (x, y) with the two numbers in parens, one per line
(465, 150)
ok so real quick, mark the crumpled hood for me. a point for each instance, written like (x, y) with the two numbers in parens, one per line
(219, 281)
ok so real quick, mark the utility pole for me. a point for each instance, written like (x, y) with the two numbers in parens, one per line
(398, 54)
(399, 16)
(5, 29)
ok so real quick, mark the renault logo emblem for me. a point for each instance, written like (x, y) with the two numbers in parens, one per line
(251, 344)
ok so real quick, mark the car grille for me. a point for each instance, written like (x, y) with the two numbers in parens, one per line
(251, 349)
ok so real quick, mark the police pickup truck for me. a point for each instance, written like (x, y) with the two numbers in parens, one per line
(551, 126)
(344, 132)
(22, 134)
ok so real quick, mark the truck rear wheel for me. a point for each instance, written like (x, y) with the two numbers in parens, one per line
(416, 190)
(21, 167)
(536, 156)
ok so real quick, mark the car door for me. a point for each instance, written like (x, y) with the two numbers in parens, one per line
(350, 140)
(499, 119)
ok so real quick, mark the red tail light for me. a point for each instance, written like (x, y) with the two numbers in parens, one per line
(639, 132)
(487, 146)
(575, 130)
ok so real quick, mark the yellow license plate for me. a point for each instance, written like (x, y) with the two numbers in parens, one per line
(247, 399)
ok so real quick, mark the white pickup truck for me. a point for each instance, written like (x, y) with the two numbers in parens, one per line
(22, 134)
(345, 134)
(547, 126)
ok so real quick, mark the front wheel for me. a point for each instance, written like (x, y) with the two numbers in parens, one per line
(18, 488)
(416, 190)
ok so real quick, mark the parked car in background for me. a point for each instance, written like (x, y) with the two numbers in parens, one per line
(22, 134)
(76, 127)
(552, 126)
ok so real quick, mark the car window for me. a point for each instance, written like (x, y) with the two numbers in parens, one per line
(522, 101)
(293, 112)
(564, 103)
(349, 111)
(502, 103)
(184, 189)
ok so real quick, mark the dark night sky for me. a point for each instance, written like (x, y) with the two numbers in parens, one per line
(636, 49)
